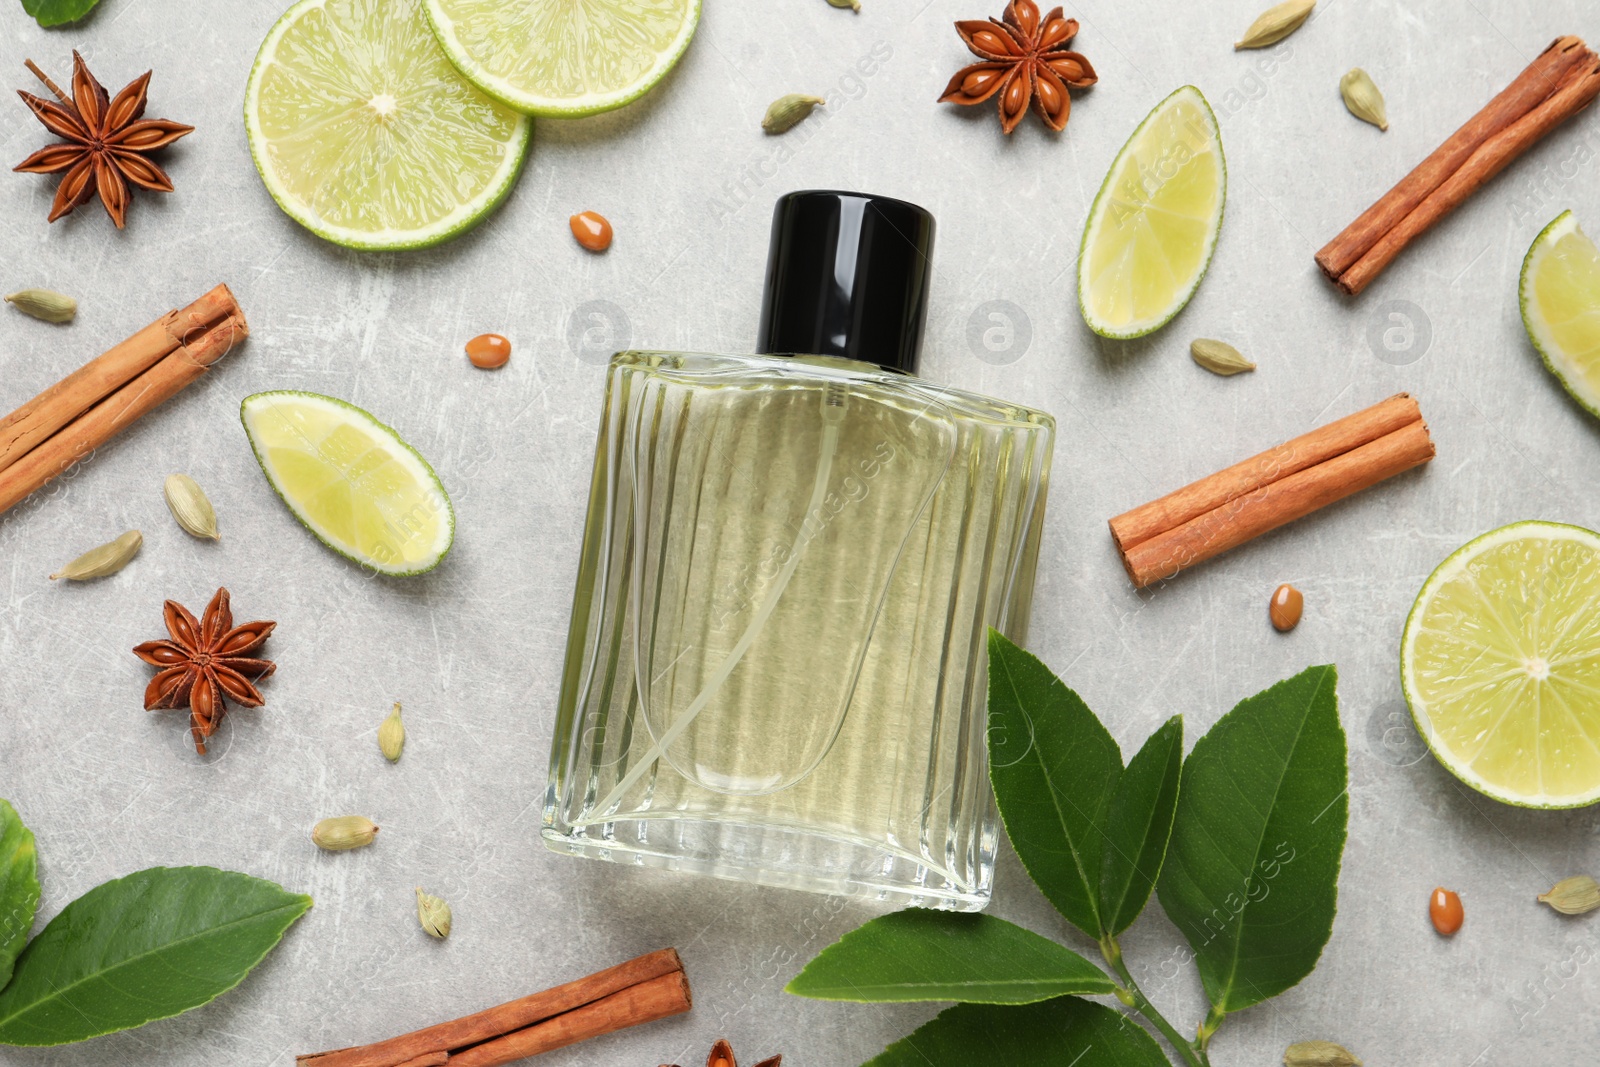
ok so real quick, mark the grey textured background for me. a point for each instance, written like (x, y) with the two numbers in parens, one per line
(474, 649)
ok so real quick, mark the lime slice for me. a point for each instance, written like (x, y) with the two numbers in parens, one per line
(351, 480)
(564, 58)
(1501, 664)
(367, 136)
(1154, 223)
(1560, 295)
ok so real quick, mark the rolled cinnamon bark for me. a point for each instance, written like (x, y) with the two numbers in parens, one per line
(1562, 81)
(659, 998)
(1241, 479)
(78, 438)
(485, 1026)
(1208, 517)
(33, 423)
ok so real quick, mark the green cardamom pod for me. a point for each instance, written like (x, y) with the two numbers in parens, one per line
(190, 507)
(1318, 1054)
(1363, 99)
(787, 112)
(108, 558)
(853, 5)
(344, 832)
(1573, 896)
(1219, 358)
(44, 304)
(1276, 23)
(433, 914)
(392, 735)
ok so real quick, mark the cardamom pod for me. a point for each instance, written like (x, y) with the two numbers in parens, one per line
(1363, 99)
(190, 507)
(1219, 358)
(1318, 1054)
(108, 558)
(1276, 23)
(787, 112)
(433, 914)
(344, 832)
(1573, 896)
(853, 5)
(44, 304)
(392, 735)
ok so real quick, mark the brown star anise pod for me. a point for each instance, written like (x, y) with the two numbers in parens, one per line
(1024, 58)
(203, 661)
(722, 1056)
(104, 145)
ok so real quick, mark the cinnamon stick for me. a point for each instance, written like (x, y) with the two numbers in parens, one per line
(1563, 80)
(192, 354)
(34, 422)
(497, 1022)
(1241, 479)
(1270, 490)
(646, 1002)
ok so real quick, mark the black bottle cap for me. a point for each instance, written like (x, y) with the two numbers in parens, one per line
(847, 275)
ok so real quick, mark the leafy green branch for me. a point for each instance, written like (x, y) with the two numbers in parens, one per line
(152, 945)
(1241, 843)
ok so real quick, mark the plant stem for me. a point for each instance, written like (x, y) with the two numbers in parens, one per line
(1193, 1055)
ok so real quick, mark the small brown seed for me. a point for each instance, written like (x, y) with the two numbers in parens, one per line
(488, 351)
(592, 230)
(1285, 609)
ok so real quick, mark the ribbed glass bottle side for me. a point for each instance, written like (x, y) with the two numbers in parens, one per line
(776, 666)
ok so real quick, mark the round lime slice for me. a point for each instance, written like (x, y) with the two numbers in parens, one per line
(1501, 664)
(351, 480)
(564, 58)
(1560, 297)
(366, 134)
(1154, 223)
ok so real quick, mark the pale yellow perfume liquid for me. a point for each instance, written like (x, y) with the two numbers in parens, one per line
(775, 668)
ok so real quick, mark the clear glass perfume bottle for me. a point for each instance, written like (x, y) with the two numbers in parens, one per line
(776, 667)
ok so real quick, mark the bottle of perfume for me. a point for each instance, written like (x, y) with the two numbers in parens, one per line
(776, 669)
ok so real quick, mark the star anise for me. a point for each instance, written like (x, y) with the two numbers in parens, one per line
(203, 661)
(104, 145)
(1024, 58)
(722, 1056)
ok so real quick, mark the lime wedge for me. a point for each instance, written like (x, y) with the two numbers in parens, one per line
(564, 58)
(1560, 295)
(351, 480)
(367, 136)
(1501, 664)
(1154, 223)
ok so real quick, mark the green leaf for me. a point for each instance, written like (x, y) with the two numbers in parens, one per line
(1067, 1032)
(58, 12)
(1054, 768)
(1138, 826)
(930, 955)
(19, 887)
(141, 948)
(1252, 871)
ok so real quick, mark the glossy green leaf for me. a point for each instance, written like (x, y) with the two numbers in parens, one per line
(1252, 870)
(1054, 768)
(1138, 826)
(931, 955)
(1067, 1032)
(141, 948)
(19, 887)
(58, 12)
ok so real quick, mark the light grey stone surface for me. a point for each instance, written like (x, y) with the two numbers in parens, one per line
(474, 649)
